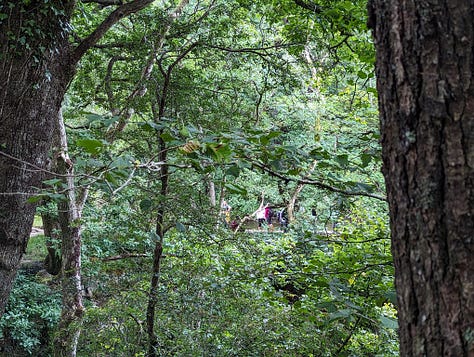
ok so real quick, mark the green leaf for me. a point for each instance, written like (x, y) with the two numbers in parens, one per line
(154, 236)
(145, 204)
(52, 182)
(265, 139)
(35, 199)
(389, 322)
(392, 296)
(50, 195)
(340, 314)
(220, 151)
(92, 117)
(362, 75)
(92, 146)
(342, 160)
(363, 187)
(167, 137)
(184, 131)
(234, 170)
(366, 159)
(180, 227)
(239, 190)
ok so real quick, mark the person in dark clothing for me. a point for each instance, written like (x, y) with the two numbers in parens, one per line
(283, 220)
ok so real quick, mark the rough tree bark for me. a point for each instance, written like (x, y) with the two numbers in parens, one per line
(31, 88)
(425, 81)
(37, 63)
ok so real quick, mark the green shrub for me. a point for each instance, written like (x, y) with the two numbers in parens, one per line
(32, 312)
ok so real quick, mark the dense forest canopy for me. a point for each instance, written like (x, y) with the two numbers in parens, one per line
(166, 125)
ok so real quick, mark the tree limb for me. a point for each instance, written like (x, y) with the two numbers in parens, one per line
(125, 256)
(104, 3)
(118, 14)
(317, 183)
(309, 5)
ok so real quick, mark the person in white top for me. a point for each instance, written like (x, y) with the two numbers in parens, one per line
(260, 213)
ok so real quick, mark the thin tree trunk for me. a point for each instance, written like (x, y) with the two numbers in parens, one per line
(290, 208)
(212, 193)
(153, 344)
(426, 100)
(70, 324)
(294, 197)
(159, 111)
(51, 230)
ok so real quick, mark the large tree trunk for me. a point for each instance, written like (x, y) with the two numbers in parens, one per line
(426, 98)
(32, 86)
(37, 64)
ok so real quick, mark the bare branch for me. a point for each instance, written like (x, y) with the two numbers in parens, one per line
(127, 181)
(108, 86)
(140, 87)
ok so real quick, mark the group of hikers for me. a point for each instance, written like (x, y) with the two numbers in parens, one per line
(264, 216)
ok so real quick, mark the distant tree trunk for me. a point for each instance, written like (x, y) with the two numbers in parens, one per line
(426, 99)
(290, 208)
(69, 210)
(212, 193)
(51, 230)
(51, 224)
(294, 196)
(153, 344)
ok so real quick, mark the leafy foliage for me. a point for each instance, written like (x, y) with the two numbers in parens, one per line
(31, 315)
(235, 99)
(293, 294)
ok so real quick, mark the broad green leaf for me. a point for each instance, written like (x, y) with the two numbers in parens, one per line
(92, 146)
(389, 322)
(53, 182)
(233, 188)
(180, 227)
(340, 314)
(233, 170)
(145, 204)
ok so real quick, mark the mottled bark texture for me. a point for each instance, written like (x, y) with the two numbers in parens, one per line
(33, 79)
(69, 214)
(425, 64)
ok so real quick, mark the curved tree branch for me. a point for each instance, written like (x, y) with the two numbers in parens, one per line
(114, 17)
(309, 5)
(319, 184)
(104, 3)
